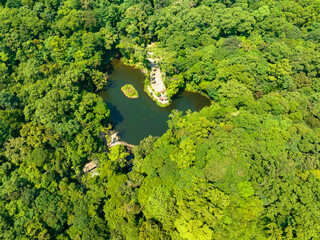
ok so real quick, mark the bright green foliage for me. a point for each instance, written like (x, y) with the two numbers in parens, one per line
(4, 132)
(247, 167)
(129, 91)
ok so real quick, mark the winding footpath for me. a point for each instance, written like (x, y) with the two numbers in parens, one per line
(157, 85)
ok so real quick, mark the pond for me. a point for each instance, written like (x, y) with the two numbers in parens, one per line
(136, 119)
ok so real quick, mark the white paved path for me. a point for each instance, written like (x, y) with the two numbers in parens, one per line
(157, 84)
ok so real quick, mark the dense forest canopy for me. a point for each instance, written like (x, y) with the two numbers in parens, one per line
(247, 167)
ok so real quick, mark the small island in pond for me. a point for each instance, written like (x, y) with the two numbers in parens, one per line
(129, 91)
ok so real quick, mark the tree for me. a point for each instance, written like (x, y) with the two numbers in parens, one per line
(4, 132)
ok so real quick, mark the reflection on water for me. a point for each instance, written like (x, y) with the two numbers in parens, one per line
(136, 119)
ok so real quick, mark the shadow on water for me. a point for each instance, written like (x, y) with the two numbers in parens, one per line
(110, 69)
(116, 116)
(136, 119)
(178, 96)
(111, 84)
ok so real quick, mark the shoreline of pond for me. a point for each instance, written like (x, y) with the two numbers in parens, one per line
(139, 66)
(136, 119)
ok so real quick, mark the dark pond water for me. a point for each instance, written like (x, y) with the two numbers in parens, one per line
(136, 119)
